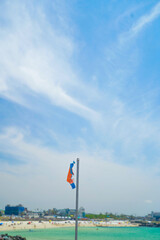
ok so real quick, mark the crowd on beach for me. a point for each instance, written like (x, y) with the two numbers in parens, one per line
(18, 225)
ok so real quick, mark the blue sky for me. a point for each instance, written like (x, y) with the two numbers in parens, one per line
(80, 79)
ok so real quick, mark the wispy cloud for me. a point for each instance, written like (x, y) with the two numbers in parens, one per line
(148, 201)
(43, 169)
(37, 60)
(146, 19)
(140, 24)
(130, 104)
(38, 70)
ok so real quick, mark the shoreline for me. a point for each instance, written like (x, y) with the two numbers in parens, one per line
(31, 225)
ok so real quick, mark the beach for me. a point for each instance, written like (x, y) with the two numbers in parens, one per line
(22, 225)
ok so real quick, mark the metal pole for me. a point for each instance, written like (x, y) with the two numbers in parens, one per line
(77, 189)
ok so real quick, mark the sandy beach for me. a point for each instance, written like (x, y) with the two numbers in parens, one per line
(20, 225)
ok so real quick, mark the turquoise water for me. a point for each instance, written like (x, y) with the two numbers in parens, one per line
(87, 233)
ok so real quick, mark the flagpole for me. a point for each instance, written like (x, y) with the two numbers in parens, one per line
(77, 191)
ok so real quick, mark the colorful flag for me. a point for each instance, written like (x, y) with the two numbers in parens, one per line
(70, 175)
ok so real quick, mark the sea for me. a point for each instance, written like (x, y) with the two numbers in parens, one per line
(90, 233)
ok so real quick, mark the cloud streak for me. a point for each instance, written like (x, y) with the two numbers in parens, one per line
(41, 70)
(37, 60)
(146, 19)
(129, 120)
(43, 168)
(140, 24)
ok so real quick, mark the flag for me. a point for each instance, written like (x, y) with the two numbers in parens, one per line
(70, 175)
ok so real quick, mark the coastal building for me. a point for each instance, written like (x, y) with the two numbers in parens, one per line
(155, 215)
(66, 212)
(72, 212)
(14, 210)
(31, 214)
(63, 212)
(81, 212)
(50, 212)
(1, 212)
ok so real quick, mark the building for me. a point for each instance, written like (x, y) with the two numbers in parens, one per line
(63, 212)
(1, 212)
(72, 212)
(155, 215)
(81, 212)
(66, 212)
(31, 214)
(14, 210)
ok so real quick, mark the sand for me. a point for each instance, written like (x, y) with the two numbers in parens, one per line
(20, 225)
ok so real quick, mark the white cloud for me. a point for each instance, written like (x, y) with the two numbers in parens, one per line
(146, 19)
(128, 118)
(104, 185)
(140, 24)
(36, 59)
(148, 201)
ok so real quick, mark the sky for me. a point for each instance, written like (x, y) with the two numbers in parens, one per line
(80, 79)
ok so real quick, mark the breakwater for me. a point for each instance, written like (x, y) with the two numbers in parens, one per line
(149, 224)
(8, 237)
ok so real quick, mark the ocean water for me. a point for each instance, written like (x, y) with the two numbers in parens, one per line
(91, 233)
